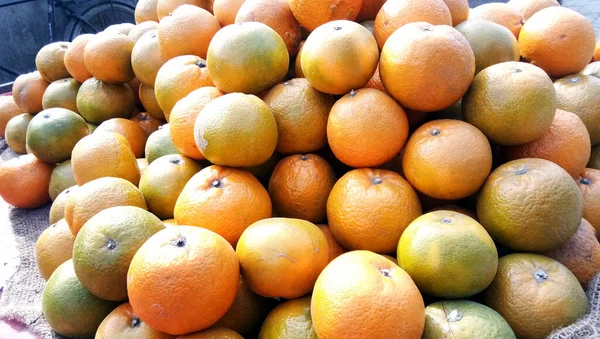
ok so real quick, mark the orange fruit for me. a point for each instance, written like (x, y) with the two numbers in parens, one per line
(374, 118)
(166, 7)
(149, 102)
(530, 199)
(183, 117)
(74, 58)
(594, 158)
(275, 14)
(314, 13)
(263, 171)
(589, 184)
(298, 62)
(410, 67)
(397, 13)
(369, 10)
(501, 14)
(596, 56)
(98, 195)
(142, 28)
(61, 93)
(535, 295)
(53, 247)
(50, 61)
(16, 132)
(565, 143)
(186, 31)
(248, 310)
(369, 25)
(28, 90)
(236, 130)
(24, 181)
(433, 251)
(98, 101)
(135, 85)
(559, 40)
(375, 82)
(123, 28)
(135, 135)
(8, 110)
(300, 185)
(527, 8)
(301, 115)
(123, 323)
(203, 267)
(579, 94)
(447, 159)
(57, 209)
(524, 111)
(213, 197)
(282, 257)
(104, 154)
(249, 58)
(145, 10)
(107, 57)
(335, 249)
(160, 143)
(177, 78)
(147, 122)
(361, 294)
(370, 208)
(62, 178)
(290, 319)
(226, 10)
(142, 165)
(213, 333)
(459, 10)
(146, 58)
(339, 56)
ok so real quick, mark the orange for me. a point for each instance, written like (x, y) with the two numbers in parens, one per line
(61, 179)
(501, 14)
(236, 130)
(213, 333)
(226, 10)
(146, 58)
(527, 8)
(579, 94)
(28, 90)
(135, 85)
(369, 10)
(595, 158)
(123, 323)
(98, 101)
(397, 13)
(135, 135)
(368, 209)
(53, 247)
(149, 102)
(596, 56)
(123, 28)
(300, 185)
(282, 257)
(524, 111)
(335, 249)
(535, 294)
(166, 7)
(375, 82)
(24, 181)
(248, 310)
(530, 205)
(177, 78)
(339, 56)
(145, 10)
(301, 115)
(183, 117)
(186, 31)
(8, 110)
(147, 122)
(275, 14)
(62, 93)
(364, 295)
(410, 66)
(448, 255)
(447, 159)
(142, 165)
(57, 209)
(104, 154)
(160, 143)
(369, 25)
(290, 319)
(589, 184)
(214, 196)
(107, 57)
(459, 10)
(191, 274)
(74, 58)
(249, 57)
(298, 62)
(142, 28)
(50, 61)
(565, 143)
(314, 13)
(372, 117)
(263, 171)
(559, 40)
(16, 132)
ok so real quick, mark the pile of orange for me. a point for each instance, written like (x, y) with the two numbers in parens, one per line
(314, 169)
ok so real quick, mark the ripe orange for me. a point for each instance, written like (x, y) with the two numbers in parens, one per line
(148, 99)
(213, 333)
(397, 13)
(376, 83)
(501, 14)
(372, 117)
(364, 295)
(527, 8)
(24, 181)
(214, 196)
(28, 90)
(16, 132)
(133, 132)
(142, 28)
(183, 117)
(410, 66)
(57, 209)
(8, 110)
(146, 58)
(335, 249)
(53, 247)
(282, 257)
(589, 184)
(226, 10)
(247, 312)
(61, 93)
(594, 158)
(580, 94)
(123, 28)
(166, 7)
(459, 10)
(339, 56)
(249, 57)
(447, 159)
(314, 13)
(50, 61)
(596, 56)
(369, 10)
(74, 58)
(107, 57)
(186, 31)
(147, 122)
(559, 40)
(160, 143)
(368, 209)
(298, 62)
(98, 101)
(62, 178)
(301, 115)
(123, 323)
(183, 279)
(290, 319)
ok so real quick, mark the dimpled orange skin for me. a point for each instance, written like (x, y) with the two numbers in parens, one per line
(224, 200)
(74, 60)
(369, 10)
(146, 58)
(166, 7)
(28, 91)
(589, 185)
(107, 56)
(335, 249)
(132, 131)
(226, 10)
(183, 279)
(123, 323)
(368, 209)
(500, 13)
(24, 181)
(361, 294)
(213, 333)
(314, 13)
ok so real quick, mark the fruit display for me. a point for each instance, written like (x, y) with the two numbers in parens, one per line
(314, 169)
